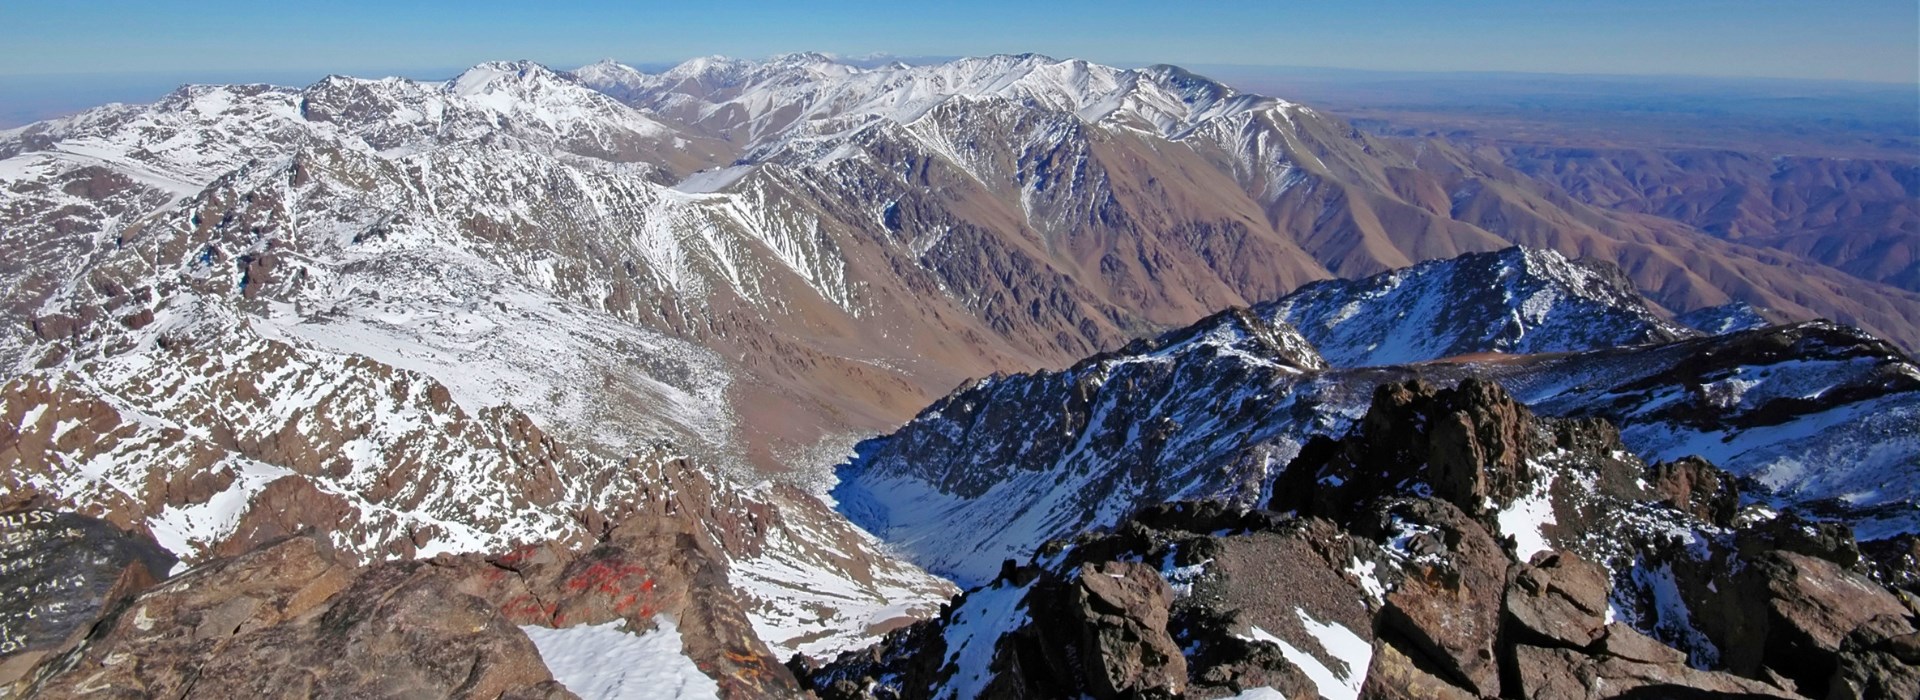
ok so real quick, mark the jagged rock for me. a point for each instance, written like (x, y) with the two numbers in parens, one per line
(1560, 598)
(400, 631)
(294, 619)
(1108, 623)
(287, 506)
(1469, 444)
(1297, 582)
(1393, 676)
(1567, 674)
(1832, 541)
(1801, 610)
(1694, 486)
(61, 572)
(1628, 643)
(1450, 611)
(1895, 562)
(1481, 439)
(1880, 659)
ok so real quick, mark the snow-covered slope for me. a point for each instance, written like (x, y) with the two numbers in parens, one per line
(424, 317)
(766, 97)
(1518, 301)
(1815, 416)
(1007, 463)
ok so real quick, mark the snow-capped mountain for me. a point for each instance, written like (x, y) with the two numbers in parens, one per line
(1516, 301)
(604, 326)
(1010, 462)
(1021, 460)
(1451, 544)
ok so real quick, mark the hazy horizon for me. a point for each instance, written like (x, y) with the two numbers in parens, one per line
(28, 98)
(1862, 40)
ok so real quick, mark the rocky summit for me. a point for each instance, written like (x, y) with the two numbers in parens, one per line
(1003, 376)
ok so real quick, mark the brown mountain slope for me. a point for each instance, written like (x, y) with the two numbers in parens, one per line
(1861, 216)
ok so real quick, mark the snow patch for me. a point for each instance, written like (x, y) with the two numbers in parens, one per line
(608, 662)
(1335, 640)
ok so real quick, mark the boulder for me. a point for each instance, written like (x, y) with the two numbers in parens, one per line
(1112, 616)
(1694, 486)
(1471, 445)
(1811, 605)
(646, 566)
(1559, 600)
(1449, 611)
(1394, 676)
(61, 572)
(1567, 674)
(1881, 659)
(1628, 643)
(1832, 541)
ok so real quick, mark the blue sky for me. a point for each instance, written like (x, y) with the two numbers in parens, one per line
(1875, 40)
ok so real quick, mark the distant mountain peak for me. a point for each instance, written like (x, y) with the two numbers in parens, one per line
(1516, 300)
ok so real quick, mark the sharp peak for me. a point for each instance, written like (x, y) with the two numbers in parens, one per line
(522, 67)
(804, 57)
(488, 73)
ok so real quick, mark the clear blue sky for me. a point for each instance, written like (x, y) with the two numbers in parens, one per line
(1876, 40)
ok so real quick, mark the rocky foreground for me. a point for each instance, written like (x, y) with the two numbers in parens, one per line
(1409, 560)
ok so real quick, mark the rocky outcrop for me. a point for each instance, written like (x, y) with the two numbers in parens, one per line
(1566, 674)
(1237, 600)
(1560, 599)
(296, 619)
(1778, 598)
(62, 572)
(1447, 609)
(644, 567)
(1104, 632)
(1471, 445)
(1879, 659)
(1404, 538)
(1808, 607)
(1696, 487)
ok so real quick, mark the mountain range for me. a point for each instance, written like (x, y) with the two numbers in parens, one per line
(679, 351)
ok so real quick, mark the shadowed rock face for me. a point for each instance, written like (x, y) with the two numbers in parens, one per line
(1471, 445)
(62, 571)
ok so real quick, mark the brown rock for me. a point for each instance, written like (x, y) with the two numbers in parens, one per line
(1694, 486)
(1469, 444)
(1393, 676)
(1120, 611)
(292, 620)
(1566, 674)
(1450, 612)
(1880, 659)
(401, 631)
(1628, 643)
(1811, 605)
(649, 565)
(1481, 439)
(63, 572)
(288, 506)
(1561, 599)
